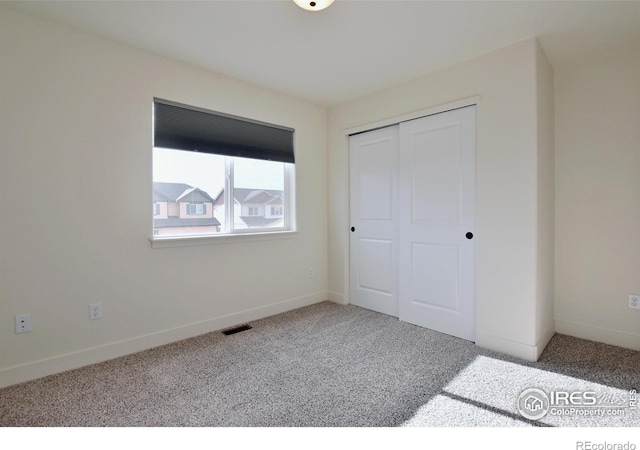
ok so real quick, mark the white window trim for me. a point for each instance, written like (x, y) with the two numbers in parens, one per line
(210, 239)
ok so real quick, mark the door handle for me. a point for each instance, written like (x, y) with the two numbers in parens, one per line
(469, 235)
(353, 229)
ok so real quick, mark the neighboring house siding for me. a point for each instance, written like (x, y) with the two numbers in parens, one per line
(163, 211)
(172, 210)
(238, 223)
(260, 201)
(174, 217)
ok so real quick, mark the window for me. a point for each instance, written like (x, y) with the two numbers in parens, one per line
(196, 209)
(156, 209)
(226, 171)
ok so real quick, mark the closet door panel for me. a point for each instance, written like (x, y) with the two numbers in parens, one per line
(436, 213)
(373, 248)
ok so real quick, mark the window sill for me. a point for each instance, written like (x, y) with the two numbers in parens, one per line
(190, 241)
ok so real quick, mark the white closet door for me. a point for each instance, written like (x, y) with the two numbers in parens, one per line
(373, 197)
(436, 222)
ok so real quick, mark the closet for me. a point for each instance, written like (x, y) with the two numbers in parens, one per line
(412, 213)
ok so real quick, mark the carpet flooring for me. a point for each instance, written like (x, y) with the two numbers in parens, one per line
(327, 365)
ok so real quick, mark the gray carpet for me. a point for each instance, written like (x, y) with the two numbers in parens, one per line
(324, 365)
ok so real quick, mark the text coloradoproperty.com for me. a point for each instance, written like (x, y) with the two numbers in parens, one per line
(600, 412)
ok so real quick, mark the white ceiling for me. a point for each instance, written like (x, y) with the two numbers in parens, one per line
(353, 48)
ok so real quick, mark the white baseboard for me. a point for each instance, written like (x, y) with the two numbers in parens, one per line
(517, 349)
(544, 339)
(337, 297)
(597, 334)
(69, 361)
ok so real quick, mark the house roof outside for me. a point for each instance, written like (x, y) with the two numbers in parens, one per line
(250, 196)
(256, 197)
(179, 192)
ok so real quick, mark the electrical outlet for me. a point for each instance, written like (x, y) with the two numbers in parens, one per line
(95, 311)
(23, 323)
(312, 274)
(634, 301)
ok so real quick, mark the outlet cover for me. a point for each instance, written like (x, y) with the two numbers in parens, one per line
(95, 311)
(634, 301)
(23, 323)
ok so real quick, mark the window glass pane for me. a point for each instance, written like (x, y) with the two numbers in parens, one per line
(258, 187)
(186, 188)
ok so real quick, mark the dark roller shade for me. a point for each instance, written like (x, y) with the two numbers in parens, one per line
(183, 127)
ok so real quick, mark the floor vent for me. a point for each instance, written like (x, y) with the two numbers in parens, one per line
(237, 329)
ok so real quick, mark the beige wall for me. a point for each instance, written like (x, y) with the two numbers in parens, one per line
(75, 120)
(507, 283)
(545, 325)
(598, 199)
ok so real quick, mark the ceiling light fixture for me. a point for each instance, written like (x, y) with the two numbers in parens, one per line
(311, 5)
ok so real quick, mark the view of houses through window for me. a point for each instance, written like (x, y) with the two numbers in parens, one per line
(190, 198)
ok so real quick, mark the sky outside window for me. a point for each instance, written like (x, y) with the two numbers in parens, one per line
(207, 171)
